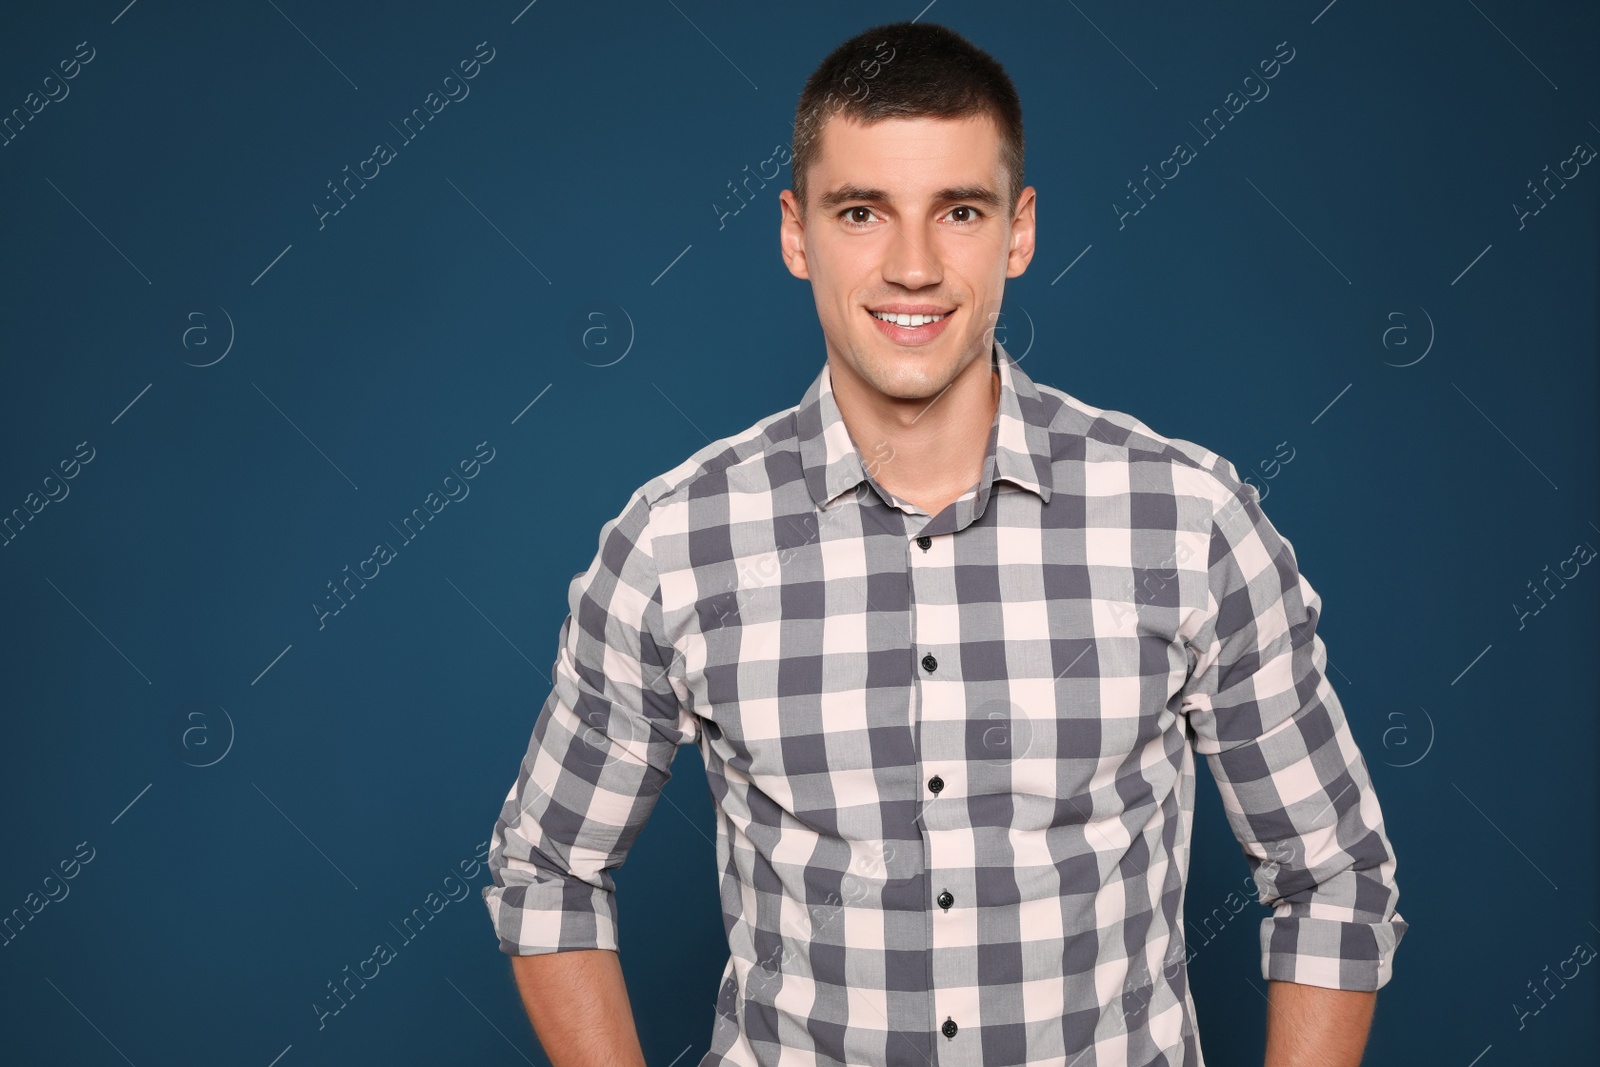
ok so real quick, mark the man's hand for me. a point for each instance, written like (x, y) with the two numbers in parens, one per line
(1312, 1026)
(578, 1004)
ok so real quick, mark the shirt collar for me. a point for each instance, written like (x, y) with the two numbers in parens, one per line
(1019, 449)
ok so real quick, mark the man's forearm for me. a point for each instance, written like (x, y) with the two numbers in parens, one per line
(1312, 1026)
(578, 1004)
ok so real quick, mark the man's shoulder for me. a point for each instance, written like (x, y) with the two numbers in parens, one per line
(723, 458)
(1081, 430)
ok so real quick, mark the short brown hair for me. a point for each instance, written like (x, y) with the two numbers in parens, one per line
(908, 70)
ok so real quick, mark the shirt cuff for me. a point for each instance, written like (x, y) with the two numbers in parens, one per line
(1331, 953)
(550, 914)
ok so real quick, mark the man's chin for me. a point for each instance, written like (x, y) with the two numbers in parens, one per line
(905, 374)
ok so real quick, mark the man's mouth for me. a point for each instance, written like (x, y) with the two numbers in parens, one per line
(911, 328)
(911, 321)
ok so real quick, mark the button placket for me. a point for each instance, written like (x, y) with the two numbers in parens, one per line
(941, 700)
(953, 931)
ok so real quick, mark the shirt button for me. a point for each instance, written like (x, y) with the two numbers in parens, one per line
(924, 543)
(930, 664)
(945, 900)
(936, 783)
(949, 1028)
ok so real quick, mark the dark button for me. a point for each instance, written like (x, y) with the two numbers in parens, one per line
(930, 664)
(945, 900)
(924, 543)
(949, 1028)
(936, 783)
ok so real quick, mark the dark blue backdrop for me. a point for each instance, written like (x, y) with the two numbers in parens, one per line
(1371, 288)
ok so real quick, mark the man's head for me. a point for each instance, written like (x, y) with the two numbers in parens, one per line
(907, 196)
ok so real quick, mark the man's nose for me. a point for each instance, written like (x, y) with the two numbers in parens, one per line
(911, 259)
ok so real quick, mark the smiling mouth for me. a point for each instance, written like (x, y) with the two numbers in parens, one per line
(910, 322)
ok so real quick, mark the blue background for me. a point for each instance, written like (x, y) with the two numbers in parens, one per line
(1342, 273)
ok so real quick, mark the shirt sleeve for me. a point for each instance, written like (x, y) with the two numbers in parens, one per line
(600, 754)
(1293, 783)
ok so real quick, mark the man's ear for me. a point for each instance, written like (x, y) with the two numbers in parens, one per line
(792, 235)
(1020, 253)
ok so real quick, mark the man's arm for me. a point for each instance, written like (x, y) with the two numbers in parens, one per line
(1312, 1026)
(600, 754)
(1295, 788)
(578, 1004)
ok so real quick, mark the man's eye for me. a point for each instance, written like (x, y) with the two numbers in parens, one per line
(973, 213)
(850, 215)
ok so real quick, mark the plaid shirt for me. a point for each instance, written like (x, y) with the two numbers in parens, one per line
(952, 756)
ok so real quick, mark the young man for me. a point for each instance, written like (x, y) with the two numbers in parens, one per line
(948, 642)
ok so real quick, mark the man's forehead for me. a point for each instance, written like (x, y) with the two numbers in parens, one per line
(869, 157)
(930, 130)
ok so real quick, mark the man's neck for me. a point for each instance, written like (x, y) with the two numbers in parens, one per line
(928, 451)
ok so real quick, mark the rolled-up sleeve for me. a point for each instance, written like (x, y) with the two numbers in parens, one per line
(1293, 783)
(600, 754)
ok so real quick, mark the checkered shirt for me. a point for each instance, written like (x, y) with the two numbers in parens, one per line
(952, 756)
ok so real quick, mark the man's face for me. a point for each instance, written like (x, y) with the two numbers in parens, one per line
(908, 216)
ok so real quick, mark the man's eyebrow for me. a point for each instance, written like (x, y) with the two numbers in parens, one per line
(981, 194)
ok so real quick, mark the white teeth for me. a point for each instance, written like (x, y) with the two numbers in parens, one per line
(907, 320)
